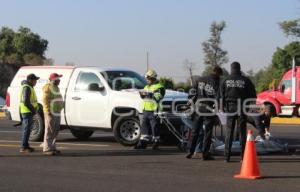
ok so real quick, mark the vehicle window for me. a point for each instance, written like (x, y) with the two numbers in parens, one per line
(285, 85)
(84, 79)
(119, 80)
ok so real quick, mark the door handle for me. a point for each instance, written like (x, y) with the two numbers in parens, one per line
(76, 98)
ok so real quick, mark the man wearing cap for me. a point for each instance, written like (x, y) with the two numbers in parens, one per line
(152, 94)
(234, 91)
(28, 108)
(52, 106)
(204, 97)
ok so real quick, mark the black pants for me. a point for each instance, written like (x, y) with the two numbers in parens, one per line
(150, 128)
(241, 120)
(202, 133)
(260, 122)
(257, 122)
(208, 125)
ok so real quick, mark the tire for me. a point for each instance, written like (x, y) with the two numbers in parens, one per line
(81, 134)
(37, 128)
(127, 130)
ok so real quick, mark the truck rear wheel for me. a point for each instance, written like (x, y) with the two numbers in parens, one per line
(81, 133)
(37, 128)
(127, 130)
(271, 109)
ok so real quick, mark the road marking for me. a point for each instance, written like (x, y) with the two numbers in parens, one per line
(95, 134)
(284, 121)
(60, 143)
(20, 132)
(14, 146)
(18, 146)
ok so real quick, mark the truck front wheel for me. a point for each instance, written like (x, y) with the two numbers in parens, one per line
(127, 130)
(81, 133)
(37, 128)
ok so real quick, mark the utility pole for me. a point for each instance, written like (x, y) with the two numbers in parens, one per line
(147, 60)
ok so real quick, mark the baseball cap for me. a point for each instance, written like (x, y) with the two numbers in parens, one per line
(54, 76)
(32, 76)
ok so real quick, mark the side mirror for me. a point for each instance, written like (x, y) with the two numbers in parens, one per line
(95, 87)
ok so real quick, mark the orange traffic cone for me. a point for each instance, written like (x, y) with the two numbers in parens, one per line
(250, 167)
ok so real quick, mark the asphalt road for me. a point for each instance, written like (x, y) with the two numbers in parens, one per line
(101, 164)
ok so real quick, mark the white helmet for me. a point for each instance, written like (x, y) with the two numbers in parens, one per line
(151, 74)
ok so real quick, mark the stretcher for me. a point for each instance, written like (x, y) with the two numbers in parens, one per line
(183, 135)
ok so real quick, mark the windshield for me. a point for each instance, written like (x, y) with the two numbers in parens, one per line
(119, 80)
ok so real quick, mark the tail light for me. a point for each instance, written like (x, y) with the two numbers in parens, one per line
(7, 99)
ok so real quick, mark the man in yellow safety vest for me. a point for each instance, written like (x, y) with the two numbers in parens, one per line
(52, 106)
(28, 108)
(152, 94)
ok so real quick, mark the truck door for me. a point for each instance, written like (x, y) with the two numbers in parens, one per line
(285, 92)
(87, 106)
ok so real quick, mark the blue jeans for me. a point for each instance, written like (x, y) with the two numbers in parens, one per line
(199, 146)
(197, 135)
(27, 120)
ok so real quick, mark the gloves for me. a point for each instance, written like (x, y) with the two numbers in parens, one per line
(146, 94)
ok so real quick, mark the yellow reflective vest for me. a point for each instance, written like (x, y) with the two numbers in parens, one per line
(52, 99)
(33, 100)
(153, 104)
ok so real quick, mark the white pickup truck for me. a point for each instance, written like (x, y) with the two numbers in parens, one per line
(95, 98)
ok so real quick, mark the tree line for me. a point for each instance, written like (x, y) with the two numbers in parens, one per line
(19, 48)
(263, 79)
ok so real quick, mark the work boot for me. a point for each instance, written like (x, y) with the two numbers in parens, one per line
(49, 153)
(141, 145)
(189, 155)
(57, 152)
(227, 159)
(26, 150)
(155, 145)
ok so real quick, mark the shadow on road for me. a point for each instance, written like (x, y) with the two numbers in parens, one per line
(279, 160)
(282, 177)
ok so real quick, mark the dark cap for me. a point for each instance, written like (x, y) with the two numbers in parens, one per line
(235, 67)
(54, 76)
(32, 76)
(217, 70)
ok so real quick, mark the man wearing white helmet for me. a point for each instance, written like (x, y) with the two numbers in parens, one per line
(152, 94)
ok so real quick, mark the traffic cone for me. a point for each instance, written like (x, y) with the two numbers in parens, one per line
(250, 167)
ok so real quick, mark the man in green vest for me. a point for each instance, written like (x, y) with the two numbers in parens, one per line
(28, 108)
(152, 94)
(52, 106)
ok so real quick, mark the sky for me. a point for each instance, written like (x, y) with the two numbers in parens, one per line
(119, 33)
